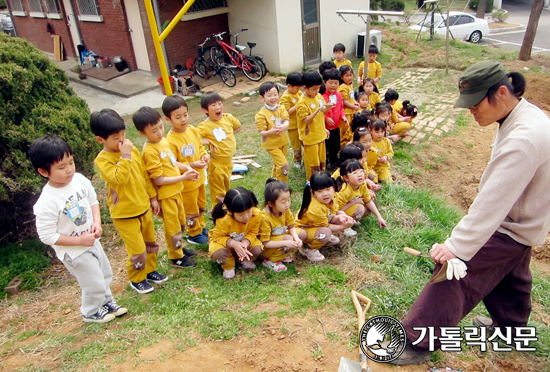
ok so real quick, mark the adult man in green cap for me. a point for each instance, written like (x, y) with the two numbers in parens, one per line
(488, 252)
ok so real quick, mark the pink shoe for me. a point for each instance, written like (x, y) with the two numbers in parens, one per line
(287, 259)
(333, 240)
(275, 266)
(312, 254)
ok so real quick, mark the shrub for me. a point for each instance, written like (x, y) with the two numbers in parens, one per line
(35, 100)
(500, 15)
(25, 260)
(2, 4)
(473, 5)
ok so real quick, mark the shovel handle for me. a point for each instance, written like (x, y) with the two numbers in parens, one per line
(357, 298)
(412, 252)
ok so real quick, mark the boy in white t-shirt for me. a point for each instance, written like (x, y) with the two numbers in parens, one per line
(68, 219)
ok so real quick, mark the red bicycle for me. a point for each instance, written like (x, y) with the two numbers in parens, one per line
(252, 69)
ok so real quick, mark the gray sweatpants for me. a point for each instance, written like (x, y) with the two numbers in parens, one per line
(93, 273)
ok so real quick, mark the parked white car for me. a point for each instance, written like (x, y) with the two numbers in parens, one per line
(462, 26)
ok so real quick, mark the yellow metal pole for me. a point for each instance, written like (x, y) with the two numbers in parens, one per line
(158, 48)
(175, 20)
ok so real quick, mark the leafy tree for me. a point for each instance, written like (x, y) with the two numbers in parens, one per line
(35, 100)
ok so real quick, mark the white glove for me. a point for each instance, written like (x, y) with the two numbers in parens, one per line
(456, 268)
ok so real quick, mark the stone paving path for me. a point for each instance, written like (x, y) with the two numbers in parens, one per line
(434, 119)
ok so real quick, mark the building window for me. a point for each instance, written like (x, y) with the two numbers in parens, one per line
(17, 8)
(36, 9)
(52, 6)
(88, 10)
(201, 5)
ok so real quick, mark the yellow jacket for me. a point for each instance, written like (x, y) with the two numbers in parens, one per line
(289, 101)
(314, 132)
(347, 95)
(221, 136)
(228, 228)
(188, 148)
(273, 226)
(160, 161)
(265, 120)
(128, 183)
(317, 214)
(347, 194)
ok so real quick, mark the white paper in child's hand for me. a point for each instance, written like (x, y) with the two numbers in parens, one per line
(333, 99)
(321, 103)
(219, 133)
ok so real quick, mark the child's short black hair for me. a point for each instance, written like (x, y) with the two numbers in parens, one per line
(332, 74)
(236, 200)
(267, 86)
(361, 119)
(144, 117)
(106, 122)
(294, 79)
(344, 69)
(381, 107)
(349, 151)
(339, 48)
(326, 66)
(350, 166)
(378, 124)
(172, 103)
(390, 95)
(409, 109)
(373, 49)
(209, 98)
(273, 188)
(311, 78)
(46, 151)
(360, 132)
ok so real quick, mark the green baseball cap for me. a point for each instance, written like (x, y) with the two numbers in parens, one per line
(476, 81)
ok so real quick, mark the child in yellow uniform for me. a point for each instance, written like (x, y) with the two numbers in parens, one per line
(354, 197)
(236, 228)
(363, 101)
(369, 156)
(369, 88)
(319, 216)
(339, 51)
(392, 97)
(289, 99)
(350, 105)
(219, 131)
(382, 145)
(131, 195)
(277, 231)
(310, 114)
(185, 142)
(396, 129)
(165, 171)
(272, 122)
(409, 111)
(375, 68)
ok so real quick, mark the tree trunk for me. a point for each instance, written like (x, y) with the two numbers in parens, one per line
(530, 32)
(481, 9)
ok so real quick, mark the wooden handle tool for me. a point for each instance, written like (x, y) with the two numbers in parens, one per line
(414, 252)
(441, 274)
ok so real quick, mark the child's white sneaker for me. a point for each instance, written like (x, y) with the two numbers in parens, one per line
(333, 240)
(287, 259)
(297, 165)
(350, 233)
(312, 254)
(275, 266)
(229, 274)
(248, 265)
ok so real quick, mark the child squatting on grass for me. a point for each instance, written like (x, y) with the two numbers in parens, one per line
(165, 171)
(132, 198)
(272, 122)
(278, 233)
(319, 216)
(236, 228)
(68, 219)
(354, 197)
(382, 145)
(185, 143)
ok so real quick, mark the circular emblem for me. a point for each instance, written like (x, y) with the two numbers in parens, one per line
(382, 338)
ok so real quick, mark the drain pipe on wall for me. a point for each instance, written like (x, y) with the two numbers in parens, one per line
(159, 26)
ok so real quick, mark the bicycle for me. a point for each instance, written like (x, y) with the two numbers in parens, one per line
(250, 46)
(252, 69)
(202, 66)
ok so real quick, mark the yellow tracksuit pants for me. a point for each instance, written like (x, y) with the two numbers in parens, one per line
(194, 203)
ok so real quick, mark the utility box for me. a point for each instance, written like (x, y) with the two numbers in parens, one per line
(375, 39)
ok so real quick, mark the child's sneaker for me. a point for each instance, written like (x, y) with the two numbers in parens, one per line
(333, 240)
(142, 287)
(102, 316)
(185, 261)
(197, 239)
(275, 266)
(248, 265)
(312, 254)
(188, 252)
(287, 259)
(297, 165)
(350, 233)
(229, 274)
(204, 232)
(114, 308)
(156, 277)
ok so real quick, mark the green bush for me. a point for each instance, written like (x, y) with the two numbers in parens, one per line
(473, 5)
(35, 100)
(2, 4)
(25, 260)
(500, 15)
